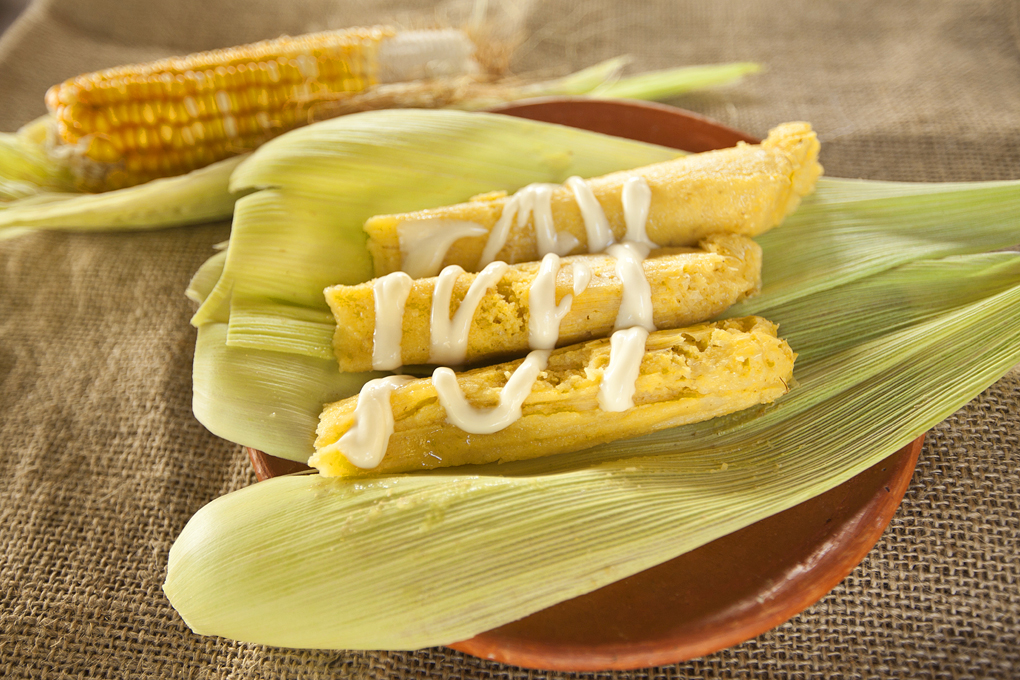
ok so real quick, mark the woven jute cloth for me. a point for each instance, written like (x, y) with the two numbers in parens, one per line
(102, 462)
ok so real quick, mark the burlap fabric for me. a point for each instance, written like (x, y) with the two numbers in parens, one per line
(103, 463)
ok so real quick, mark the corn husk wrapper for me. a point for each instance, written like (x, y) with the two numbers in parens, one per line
(403, 562)
(276, 271)
(283, 253)
(305, 233)
(282, 395)
(895, 330)
(853, 228)
(204, 280)
(667, 83)
(26, 168)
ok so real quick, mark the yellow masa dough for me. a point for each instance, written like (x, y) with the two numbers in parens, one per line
(688, 285)
(686, 375)
(746, 189)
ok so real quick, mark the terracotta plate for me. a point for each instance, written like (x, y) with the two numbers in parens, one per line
(727, 591)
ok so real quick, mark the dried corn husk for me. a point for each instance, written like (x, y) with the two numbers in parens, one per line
(305, 233)
(334, 563)
(205, 278)
(329, 178)
(199, 196)
(892, 337)
(282, 253)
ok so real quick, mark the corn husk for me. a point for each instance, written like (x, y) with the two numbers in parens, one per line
(289, 242)
(199, 196)
(838, 236)
(286, 247)
(667, 83)
(328, 178)
(204, 280)
(273, 398)
(26, 168)
(404, 562)
(603, 80)
(895, 330)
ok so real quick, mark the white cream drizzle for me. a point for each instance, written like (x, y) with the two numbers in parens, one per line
(596, 226)
(637, 199)
(448, 342)
(390, 297)
(424, 243)
(511, 397)
(364, 445)
(619, 380)
(544, 315)
(424, 246)
(582, 276)
(533, 200)
(636, 305)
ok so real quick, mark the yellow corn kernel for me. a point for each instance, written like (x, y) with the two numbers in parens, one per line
(133, 164)
(102, 149)
(128, 142)
(149, 113)
(101, 123)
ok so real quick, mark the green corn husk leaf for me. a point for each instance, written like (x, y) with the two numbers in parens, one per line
(205, 278)
(273, 281)
(381, 563)
(199, 196)
(816, 326)
(580, 82)
(836, 239)
(829, 321)
(293, 329)
(292, 240)
(656, 85)
(270, 400)
(26, 168)
(603, 80)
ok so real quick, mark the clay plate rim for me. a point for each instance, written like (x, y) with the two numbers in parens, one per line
(573, 635)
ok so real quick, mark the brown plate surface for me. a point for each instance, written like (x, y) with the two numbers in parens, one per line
(726, 591)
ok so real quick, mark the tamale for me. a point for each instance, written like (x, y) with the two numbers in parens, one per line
(746, 190)
(684, 376)
(688, 285)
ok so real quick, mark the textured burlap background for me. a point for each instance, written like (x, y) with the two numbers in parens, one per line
(102, 463)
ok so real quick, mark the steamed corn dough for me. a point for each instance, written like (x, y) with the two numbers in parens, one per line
(686, 375)
(688, 285)
(746, 189)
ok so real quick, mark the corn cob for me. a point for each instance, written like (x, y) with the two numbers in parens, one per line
(746, 190)
(127, 125)
(687, 286)
(685, 376)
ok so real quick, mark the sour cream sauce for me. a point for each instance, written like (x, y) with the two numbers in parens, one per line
(365, 443)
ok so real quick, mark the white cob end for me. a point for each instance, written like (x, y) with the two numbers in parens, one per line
(416, 55)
